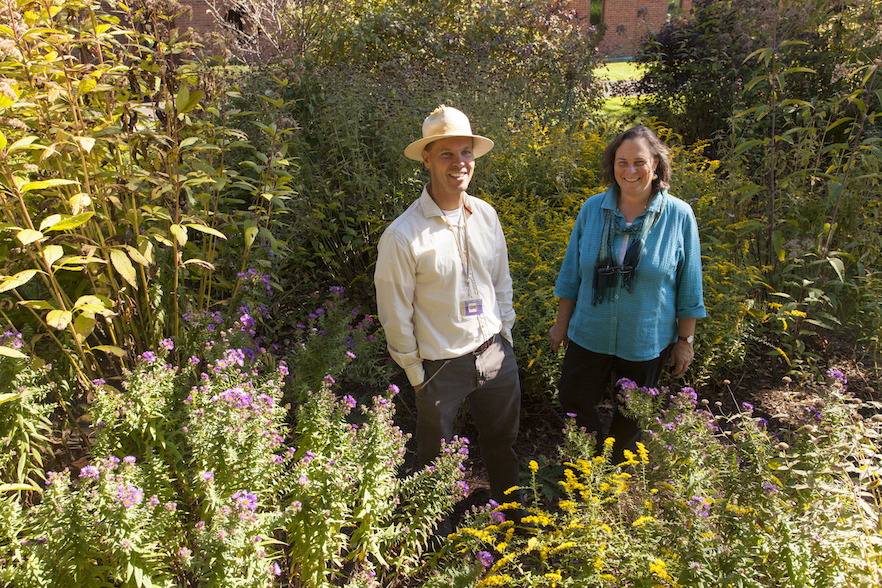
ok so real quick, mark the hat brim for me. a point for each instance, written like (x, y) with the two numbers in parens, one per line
(480, 146)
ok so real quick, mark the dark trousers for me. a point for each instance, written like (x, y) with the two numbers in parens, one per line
(490, 383)
(584, 378)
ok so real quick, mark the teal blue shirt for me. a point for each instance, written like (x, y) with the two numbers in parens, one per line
(635, 325)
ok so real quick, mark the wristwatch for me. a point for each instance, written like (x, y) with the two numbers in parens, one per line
(688, 339)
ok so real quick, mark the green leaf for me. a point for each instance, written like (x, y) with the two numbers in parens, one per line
(22, 143)
(195, 97)
(83, 326)
(10, 352)
(112, 349)
(28, 236)
(71, 222)
(17, 487)
(188, 141)
(43, 184)
(12, 282)
(180, 233)
(59, 319)
(136, 256)
(838, 266)
(37, 304)
(51, 254)
(124, 267)
(206, 229)
(183, 98)
(85, 143)
(250, 235)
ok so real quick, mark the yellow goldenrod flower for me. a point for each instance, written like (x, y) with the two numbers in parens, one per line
(643, 452)
(609, 441)
(554, 577)
(641, 521)
(609, 577)
(659, 568)
(500, 580)
(534, 467)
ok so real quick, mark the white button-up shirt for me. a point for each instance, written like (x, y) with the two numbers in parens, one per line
(422, 290)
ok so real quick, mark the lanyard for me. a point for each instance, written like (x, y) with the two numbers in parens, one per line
(464, 256)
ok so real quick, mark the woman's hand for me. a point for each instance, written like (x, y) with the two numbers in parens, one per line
(681, 357)
(557, 336)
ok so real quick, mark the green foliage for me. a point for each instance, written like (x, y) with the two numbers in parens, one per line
(117, 199)
(709, 500)
(357, 88)
(196, 476)
(24, 416)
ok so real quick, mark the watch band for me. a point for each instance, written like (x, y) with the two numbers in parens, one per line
(688, 339)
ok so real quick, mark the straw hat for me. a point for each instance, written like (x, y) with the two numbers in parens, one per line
(447, 122)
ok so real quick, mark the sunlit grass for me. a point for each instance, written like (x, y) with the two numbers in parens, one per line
(620, 70)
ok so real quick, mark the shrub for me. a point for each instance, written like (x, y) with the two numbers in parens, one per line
(709, 500)
(196, 476)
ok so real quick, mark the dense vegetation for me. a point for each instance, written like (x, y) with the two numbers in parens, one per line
(187, 245)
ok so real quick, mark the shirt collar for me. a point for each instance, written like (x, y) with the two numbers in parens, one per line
(609, 200)
(430, 208)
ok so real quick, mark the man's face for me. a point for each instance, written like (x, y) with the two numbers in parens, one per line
(451, 165)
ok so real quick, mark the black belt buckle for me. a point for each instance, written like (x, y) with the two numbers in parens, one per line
(483, 347)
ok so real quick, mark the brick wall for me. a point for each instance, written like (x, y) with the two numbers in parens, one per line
(628, 21)
(200, 19)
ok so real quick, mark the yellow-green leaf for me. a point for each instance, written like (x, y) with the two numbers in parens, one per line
(12, 282)
(22, 143)
(59, 319)
(43, 184)
(10, 352)
(28, 236)
(136, 256)
(206, 229)
(112, 349)
(51, 254)
(85, 143)
(180, 233)
(17, 487)
(49, 221)
(124, 267)
(83, 326)
(2, 141)
(250, 235)
(71, 222)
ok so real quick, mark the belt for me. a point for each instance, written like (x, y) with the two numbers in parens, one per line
(483, 346)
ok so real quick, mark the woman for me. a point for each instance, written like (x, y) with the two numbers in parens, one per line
(630, 284)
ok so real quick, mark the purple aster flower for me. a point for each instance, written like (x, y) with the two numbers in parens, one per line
(148, 356)
(167, 344)
(485, 558)
(207, 476)
(90, 471)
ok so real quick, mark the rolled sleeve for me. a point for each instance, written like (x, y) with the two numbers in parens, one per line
(690, 293)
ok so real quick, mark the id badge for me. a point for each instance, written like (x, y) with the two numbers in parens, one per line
(471, 307)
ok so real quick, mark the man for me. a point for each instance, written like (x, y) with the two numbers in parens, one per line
(444, 295)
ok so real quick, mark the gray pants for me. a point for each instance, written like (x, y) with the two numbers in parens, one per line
(489, 381)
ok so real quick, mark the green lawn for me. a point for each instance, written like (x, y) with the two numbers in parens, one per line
(620, 70)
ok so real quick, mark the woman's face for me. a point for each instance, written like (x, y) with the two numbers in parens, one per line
(634, 168)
